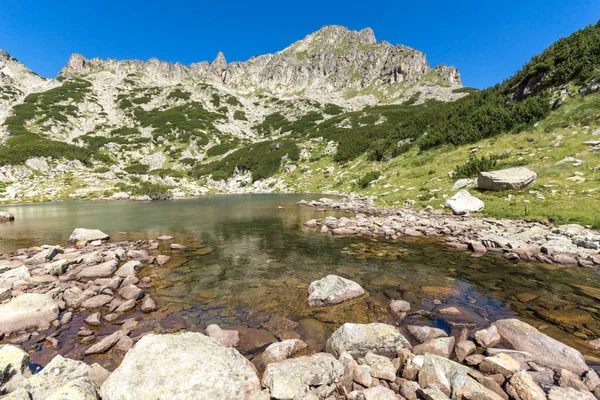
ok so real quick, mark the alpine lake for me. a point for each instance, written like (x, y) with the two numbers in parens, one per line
(250, 260)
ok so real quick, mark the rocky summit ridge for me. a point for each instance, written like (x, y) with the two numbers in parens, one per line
(329, 60)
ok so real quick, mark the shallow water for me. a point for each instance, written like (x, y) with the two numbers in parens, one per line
(249, 264)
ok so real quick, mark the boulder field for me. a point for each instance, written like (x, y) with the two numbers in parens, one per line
(363, 361)
(568, 245)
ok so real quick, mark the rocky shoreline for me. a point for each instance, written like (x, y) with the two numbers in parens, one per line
(54, 286)
(515, 240)
(91, 291)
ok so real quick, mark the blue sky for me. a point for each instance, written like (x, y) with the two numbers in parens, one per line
(487, 40)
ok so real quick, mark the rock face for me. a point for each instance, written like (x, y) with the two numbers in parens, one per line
(506, 179)
(14, 369)
(545, 350)
(463, 202)
(293, 378)
(30, 310)
(181, 366)
(359, 339)
(88, 235)
(331, 290)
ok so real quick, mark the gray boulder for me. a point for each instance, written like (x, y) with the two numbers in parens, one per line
(88, 235)
(331, 290)
(545, 350)
(293, 378)
(359, 339)
(30, 310)
(6, 216)
(506, 179)
(463, 202)
(181, 366)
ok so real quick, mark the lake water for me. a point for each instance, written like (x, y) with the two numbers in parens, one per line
(250, 261)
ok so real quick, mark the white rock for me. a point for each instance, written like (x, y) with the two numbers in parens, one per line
(87, 235)
(463, 202)
(506, 179)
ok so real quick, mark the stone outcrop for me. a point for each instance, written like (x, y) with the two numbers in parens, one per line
(506, 179)
(332, 290)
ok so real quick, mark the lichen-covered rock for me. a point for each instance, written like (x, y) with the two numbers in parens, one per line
(293, 378)
(359, 339)
(181, 366)
(30, 310)
(79, 389)
(506, 179)
(14, 364)
(58, 373)
(331, 290)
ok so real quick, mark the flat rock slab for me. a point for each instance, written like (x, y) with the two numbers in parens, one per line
(332, 290)
(103, 270)
(506, 179)
(87, 235)
(181, 366)
(545, 350)
(30, 310)
(359, 339)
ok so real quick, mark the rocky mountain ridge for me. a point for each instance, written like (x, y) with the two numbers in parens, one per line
(331, 59)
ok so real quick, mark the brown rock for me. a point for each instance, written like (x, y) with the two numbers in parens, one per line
(131, 292)
(488, 337)
(106, 343)
(148, 305)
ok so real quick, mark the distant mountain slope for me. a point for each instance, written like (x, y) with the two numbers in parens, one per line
(327, 102)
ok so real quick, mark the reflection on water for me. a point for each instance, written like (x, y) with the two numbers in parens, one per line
(251, 261)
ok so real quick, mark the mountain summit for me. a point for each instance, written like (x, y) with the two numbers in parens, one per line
(332, 59)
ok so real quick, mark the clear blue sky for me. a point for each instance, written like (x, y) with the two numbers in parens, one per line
(486, 40)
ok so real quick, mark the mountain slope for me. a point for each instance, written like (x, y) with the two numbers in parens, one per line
(334, 112)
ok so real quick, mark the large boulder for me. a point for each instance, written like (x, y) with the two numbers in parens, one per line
(506, 179)
(331, 290)
(181, 366)
(359, 339)
(6, 216)
(545, 350)
(463, 202)
(87, 235)
(293, 378)
(30, 310)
